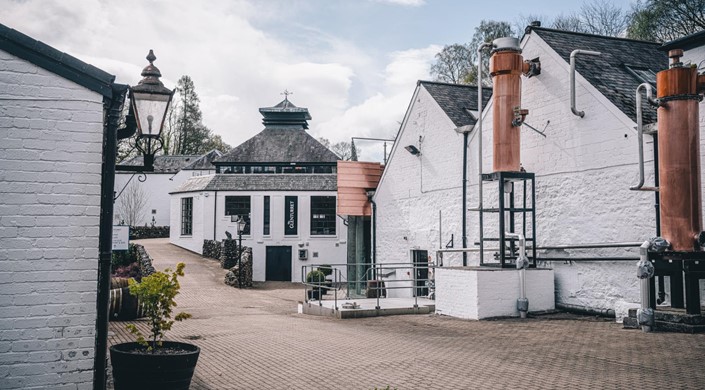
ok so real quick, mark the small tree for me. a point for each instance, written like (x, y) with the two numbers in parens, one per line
(131, 204)
(156, 294)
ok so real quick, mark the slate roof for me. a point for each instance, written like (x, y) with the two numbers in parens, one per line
(283, 140)
(169, 164)
(204, 162)
(456, 99)
(610, 72)
(686, 43)
(55, 61)
(258, 182)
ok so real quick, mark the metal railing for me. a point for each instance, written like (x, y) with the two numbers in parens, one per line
(378, 273)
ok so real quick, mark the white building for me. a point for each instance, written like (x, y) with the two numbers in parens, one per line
(584, 167)
(169, 173)
(51, 126)
(283, 183)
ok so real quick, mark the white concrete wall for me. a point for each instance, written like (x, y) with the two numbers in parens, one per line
(584, 168)
(477, 293)
(50, 165)
(156, 191)
(321, 249)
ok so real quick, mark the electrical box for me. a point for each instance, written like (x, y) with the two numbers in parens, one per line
(303, 254)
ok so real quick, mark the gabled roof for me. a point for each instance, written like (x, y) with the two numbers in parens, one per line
(204, 162)
(457, 99)
(283, 140)
(55, 61)
(615, 72)
(686, 43)
(259, 182)
(168, 164)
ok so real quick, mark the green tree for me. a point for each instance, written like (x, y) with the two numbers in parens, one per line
(666, 20)
(343, 149)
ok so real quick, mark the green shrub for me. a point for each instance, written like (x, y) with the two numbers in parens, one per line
(156, 294)
(315, 277)
(326, 269)
(124, 258)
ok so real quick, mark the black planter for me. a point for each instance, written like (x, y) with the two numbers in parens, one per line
(144, 370)
(314, 294)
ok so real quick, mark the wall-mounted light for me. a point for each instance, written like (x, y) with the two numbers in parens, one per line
(413, 150)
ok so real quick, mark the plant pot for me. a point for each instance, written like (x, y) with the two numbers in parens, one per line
(136, 370)
(375, 288)
(314, 294)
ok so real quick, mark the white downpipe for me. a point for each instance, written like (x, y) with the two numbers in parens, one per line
(522, 263)
(640, 134)
(572, 78)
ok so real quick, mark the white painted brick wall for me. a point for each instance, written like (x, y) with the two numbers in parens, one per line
(331, 250)
(50, 161)
(584, 169)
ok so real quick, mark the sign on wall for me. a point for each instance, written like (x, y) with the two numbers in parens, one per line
(291, 217)
(121, 238)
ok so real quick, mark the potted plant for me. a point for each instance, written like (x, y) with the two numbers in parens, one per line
(151, 363)
(327, 271)
(317, 278)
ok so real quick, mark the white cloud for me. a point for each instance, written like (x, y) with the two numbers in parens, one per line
(408, 3)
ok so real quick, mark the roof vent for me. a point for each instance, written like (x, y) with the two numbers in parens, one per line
(536, 23)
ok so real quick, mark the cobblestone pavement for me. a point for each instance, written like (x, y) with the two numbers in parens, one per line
(254, 339)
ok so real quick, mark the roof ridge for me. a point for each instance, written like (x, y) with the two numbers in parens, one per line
(474, 86)
(531, 28)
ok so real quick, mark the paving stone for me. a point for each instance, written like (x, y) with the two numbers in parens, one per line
(254, 339)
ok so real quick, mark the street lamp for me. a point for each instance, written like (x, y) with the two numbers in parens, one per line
(241, 224)
(150, 101)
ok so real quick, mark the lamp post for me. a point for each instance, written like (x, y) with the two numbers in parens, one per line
(241, 224)
(149, 104)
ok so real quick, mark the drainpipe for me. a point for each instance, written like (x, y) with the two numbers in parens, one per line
(593, 311)
(572, 78)
(640, 134)
(215, 214)
(645, 270)
(522, 264)
(479, 145)
(370, 195)
(105, 242)
(465, 197)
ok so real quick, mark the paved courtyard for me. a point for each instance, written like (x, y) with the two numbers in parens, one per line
(254, 339)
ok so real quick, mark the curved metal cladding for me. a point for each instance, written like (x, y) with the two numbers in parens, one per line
(679, 154)
(506, 68)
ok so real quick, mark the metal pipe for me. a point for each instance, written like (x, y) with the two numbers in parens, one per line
(645, 270)
(580, 259)
(572, 78)
(591, 246)
(105, 233)
(579, 309)
(479, 141)
(640, 135)
(465, 197)
(522, 263)
(215, 214)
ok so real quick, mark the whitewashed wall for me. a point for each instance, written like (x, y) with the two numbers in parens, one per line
(584, 169)
(50, 165)
(415, 189)
(329, 249)
(156, 191)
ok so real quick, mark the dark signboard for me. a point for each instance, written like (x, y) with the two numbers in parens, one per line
(291, 217)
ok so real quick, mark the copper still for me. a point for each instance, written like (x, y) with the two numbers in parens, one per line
(678, 91)
(506, 67)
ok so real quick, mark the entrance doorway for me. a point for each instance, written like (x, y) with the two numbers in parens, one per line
(278, 264)
(420, 259)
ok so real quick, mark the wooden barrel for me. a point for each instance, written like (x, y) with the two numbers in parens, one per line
(119, 282)
(123, 305)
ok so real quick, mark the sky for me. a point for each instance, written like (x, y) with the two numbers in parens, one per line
(353, 63)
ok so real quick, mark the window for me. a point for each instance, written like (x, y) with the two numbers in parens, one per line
(239, 206)
(322, 215)
(265, 229)
(186, 216)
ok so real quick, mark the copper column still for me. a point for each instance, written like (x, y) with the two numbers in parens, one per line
(506, 68)
(678, 90)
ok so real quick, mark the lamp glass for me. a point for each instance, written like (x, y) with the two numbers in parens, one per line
(241, 225)
(150, 111)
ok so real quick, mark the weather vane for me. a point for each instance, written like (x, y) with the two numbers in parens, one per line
(286, 94)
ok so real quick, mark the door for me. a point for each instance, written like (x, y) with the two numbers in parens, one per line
(420, 272)
(278, 264)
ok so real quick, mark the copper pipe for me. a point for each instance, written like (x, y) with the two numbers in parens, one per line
(506, 68)
(679, 155)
